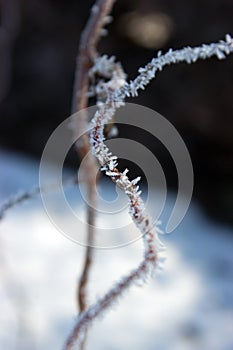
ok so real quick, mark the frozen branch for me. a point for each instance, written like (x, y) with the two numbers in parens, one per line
(18, 199)
(187, 54)
(116, 91)
(22, 197)
(137, 210)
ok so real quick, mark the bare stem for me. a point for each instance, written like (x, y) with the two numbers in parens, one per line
(86, 55)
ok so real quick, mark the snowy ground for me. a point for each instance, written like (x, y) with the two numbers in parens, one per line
(187, 306)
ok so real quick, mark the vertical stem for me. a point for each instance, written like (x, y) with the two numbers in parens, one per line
(87, 53)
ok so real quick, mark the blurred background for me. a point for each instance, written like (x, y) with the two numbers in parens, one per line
(192, 301)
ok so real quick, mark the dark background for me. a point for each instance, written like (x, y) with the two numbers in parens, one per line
(38, 48)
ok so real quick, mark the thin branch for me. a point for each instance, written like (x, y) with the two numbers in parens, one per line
(22, 197)
(87, 54)
(141, 219)
(187, 54)
(108, 162)
(17, 199)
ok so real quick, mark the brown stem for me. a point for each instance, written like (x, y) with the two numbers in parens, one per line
(87, 53)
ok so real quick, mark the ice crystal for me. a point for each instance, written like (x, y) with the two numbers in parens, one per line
(116, 90)
(187, 54)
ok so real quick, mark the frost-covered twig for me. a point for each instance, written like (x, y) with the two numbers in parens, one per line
(137, 210)
(22, 197)
(18, 199)
(187, 54)
(115, 96)
(86, 55)
(105, 68)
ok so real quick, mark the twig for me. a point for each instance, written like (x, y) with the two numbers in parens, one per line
(187, 55)
(87, 54)
(22, 197)
(115, 99)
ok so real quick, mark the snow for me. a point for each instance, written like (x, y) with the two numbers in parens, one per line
(186, 306)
